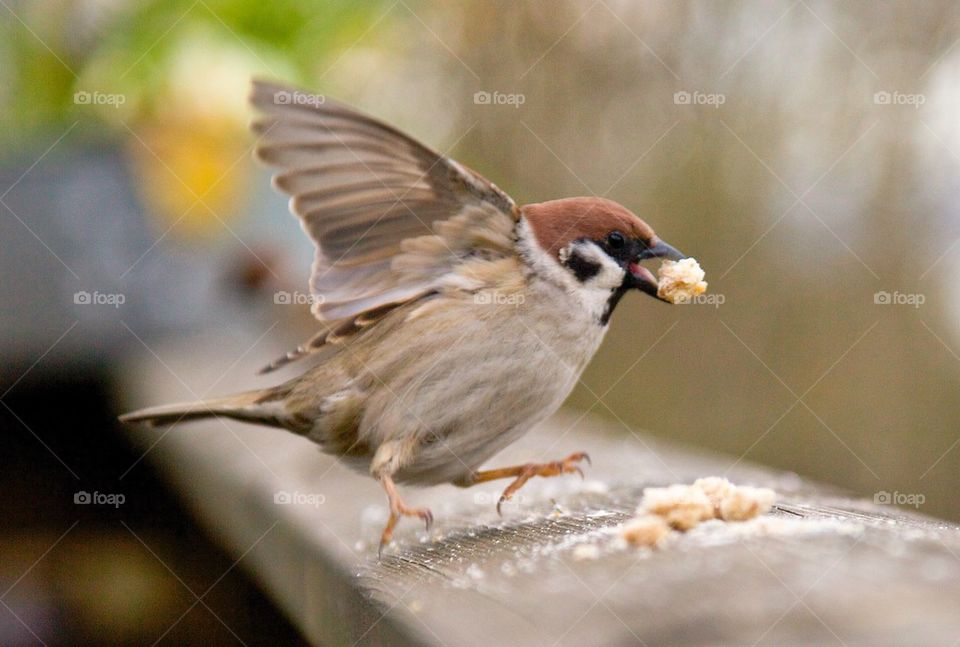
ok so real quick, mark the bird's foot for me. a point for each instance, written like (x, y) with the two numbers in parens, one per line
(399, 509)
(523, 473)
(568, 465)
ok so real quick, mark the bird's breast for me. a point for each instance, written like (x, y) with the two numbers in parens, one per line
(470, 376)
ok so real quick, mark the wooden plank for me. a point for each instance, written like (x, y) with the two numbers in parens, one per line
(822, 568)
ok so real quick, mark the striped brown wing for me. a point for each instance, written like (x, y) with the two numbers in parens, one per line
(361, 188)
(390, 217)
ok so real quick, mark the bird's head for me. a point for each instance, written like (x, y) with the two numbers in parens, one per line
(598, 244)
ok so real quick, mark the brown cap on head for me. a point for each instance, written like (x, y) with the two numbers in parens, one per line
(559, 222)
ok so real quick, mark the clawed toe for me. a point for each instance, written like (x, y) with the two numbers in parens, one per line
(426, 515)
(421, 513)
(569, 464)
(387, 536)
(525, 472)
(397, 510)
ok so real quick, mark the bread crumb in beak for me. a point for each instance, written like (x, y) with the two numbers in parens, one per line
(680, 281)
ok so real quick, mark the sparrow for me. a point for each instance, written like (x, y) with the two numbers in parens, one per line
(451, 320)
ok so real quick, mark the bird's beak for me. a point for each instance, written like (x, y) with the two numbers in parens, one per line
(660, 249)
(643, 279)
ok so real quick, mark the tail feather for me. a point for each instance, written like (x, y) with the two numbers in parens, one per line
(309, 347)
(254, 406)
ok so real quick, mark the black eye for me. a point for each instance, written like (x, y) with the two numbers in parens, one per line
(616, 240)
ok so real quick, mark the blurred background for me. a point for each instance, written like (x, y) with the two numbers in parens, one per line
(806, 152)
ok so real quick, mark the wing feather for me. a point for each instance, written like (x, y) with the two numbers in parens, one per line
(391, 218)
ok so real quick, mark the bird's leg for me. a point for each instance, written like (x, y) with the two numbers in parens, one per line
(523, 473)
(398, 509)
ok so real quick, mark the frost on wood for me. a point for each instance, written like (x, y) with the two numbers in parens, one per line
(683, 507)
(680, 281)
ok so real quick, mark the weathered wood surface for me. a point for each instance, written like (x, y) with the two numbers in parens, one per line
(829, 570)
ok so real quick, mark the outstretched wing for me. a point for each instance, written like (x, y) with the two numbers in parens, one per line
(389, 216)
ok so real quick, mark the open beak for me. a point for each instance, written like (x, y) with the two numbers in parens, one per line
(643, 279)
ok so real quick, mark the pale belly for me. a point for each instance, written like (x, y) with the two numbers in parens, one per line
(471, 394)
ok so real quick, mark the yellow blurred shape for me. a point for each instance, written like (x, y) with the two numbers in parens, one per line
(191, 149)
(192, 176)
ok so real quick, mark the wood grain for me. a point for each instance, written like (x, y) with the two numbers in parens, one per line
(824, 568)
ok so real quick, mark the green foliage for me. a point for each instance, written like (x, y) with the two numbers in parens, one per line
(52, 50)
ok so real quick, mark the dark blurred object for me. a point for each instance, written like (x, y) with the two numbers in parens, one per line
(85, 275)
(86, 280)
(78, 255)
(252, 274)
(94, 574)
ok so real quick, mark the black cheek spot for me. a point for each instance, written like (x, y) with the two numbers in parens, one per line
(583, 269)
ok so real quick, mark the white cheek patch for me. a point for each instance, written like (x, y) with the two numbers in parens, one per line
(592, 295)
(610, 274)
